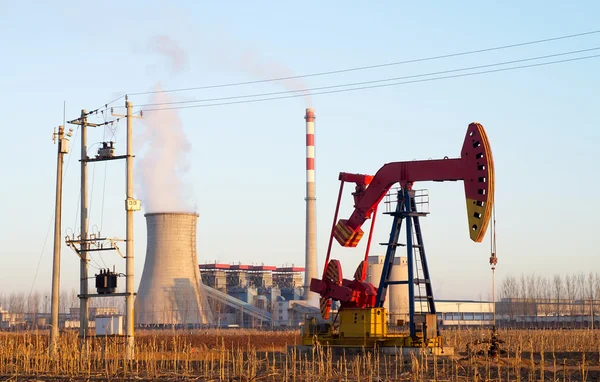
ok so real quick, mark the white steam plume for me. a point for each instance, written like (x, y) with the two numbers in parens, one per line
(163, 163)
(168, 48)
(264, 68)
(226, 52)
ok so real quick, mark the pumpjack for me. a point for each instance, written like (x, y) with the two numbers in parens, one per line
(361, 318)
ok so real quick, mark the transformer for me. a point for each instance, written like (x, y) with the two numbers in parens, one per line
(106, 281)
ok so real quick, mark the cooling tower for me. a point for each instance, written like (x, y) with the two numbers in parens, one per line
(170, 290)
(396, 301)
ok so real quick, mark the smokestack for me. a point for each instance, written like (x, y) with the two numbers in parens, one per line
(311, 207)
(170, 290)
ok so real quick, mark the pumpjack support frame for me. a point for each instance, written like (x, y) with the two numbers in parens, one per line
(362, 303)
(406, 211)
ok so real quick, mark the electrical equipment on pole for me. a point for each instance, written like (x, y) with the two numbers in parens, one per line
(106, 281)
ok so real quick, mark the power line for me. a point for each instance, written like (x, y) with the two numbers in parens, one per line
(41, 256)
(104, 183)
(369, 82)
(91, 203)
(377, 86)
(105, 105)
(71, 152)
(464, 53)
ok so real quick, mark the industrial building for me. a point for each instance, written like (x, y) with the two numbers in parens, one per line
(278, 291)
(9, 320)
(464, 313)
(264, 287)
(234, 278)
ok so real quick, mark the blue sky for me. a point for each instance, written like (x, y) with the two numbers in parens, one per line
(245, 164)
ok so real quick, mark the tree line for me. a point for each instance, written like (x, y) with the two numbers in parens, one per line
(39, 302)
(557, 295)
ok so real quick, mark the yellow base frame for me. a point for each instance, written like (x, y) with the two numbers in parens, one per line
(361, 327)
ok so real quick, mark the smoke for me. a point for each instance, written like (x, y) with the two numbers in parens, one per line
(264, 68)
(162, 145)
(166, 47)
(227, 52)
(163, 163)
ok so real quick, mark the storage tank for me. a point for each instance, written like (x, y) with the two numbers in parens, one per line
(374, 270)
(398, 294)
(396, 302)
(171, 291)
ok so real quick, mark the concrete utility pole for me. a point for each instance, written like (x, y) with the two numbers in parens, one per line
(88, 243)
(129, 282)
(63, 148)
(83, 264)
(131, 205)
(83, 240)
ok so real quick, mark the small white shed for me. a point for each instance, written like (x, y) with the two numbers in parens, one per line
(109, 325)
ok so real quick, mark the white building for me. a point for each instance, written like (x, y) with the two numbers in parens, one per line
(9, 320)
(464, 312)
(293, 313)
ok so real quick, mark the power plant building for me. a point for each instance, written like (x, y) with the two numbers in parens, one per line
(248, 282)
(255, 295)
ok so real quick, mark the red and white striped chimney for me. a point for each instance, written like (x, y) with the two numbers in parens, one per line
(311, 207)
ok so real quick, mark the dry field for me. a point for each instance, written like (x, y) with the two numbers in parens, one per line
(252, 355)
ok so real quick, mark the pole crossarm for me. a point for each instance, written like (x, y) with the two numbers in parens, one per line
(125, 115)
(116, 157)
(84, 122)
(95, 244)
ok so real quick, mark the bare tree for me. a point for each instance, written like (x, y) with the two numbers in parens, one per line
(523, 295)
(34, 304)
(541, 295)
(105, 302)
(544, 291)
(73, 299)
(16, 303)
(63, 303)
(597, 291)
(581, 293)
(558, 293)
(532, 295)
(571, 290)
(508, 296)
(591, 292)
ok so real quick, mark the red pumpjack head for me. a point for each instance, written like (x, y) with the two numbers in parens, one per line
(475, 168)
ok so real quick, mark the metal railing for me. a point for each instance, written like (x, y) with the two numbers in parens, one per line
(390, 200)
